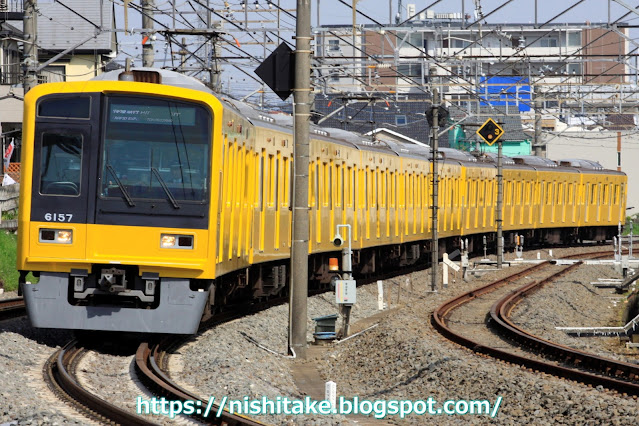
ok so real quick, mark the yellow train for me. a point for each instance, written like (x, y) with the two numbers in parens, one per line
(147, 200)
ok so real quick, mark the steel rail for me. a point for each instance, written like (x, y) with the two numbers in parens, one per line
(59, 373)
(504, 307)
(616, 374)
(12, 308)
(148, 362)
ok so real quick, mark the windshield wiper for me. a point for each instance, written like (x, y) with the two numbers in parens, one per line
(165, 188)
(127, 197)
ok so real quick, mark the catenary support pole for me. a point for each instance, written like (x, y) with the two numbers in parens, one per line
(538, 131)
(500, 204)
(435, 149)
(299, 249)
(30, 44)
(148, 57)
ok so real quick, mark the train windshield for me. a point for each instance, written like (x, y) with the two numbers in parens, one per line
(155, 148)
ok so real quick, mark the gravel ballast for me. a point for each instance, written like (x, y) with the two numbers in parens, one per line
(402, 358)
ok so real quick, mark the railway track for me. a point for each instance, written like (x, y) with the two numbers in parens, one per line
(12, 308)
(568, 363)
(150, 363)
(60, 375)
(60, 372)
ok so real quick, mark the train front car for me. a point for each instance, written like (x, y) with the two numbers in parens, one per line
(115, 206)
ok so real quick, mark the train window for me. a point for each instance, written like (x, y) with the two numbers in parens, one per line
(520, 193)
(312, 188)
(557, 193)
(571, 199)
(409, 189)
(229, 167)
(476, 193)
(391, 189)
(65, 107)
(272, 173)
(532, 192)
(340, 186)
(593, 196)
(287, 181)
(324, 182)
(317, 184)
(61, 164)
(247, 174)
(261, 180)
(453, 192)
(277, 182)
(615, 195)
(157, 148)
(329, 188)
(375, 187)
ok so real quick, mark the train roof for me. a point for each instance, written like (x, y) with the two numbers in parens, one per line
(170, 78)
(285, 121)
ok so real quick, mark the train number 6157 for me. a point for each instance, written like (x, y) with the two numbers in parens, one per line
(58, 217)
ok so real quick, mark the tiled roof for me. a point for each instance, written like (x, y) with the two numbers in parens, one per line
(620, 122)
(511, 122)
(362, 116)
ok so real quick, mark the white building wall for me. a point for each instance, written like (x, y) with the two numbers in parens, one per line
(601, 147)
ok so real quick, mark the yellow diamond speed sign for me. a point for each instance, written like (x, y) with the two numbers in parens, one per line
(490, 131)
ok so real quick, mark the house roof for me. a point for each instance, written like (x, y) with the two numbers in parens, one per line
(61, 27)
(396, 135)
(620, 122)
(511, 122)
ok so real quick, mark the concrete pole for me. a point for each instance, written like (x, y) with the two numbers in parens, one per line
(216, 69)
(500, 204)
(148, 57)
(435, 149)
(299, 248)
(30, 44)
(538, 134)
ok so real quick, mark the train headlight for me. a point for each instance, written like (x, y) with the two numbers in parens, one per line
(59, 236)
(167, 241)
(176, 241)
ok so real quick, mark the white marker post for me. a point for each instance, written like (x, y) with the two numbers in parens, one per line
(380, 295)
(330, 393)
(446, 263)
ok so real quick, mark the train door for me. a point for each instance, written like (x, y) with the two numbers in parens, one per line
(64, 180)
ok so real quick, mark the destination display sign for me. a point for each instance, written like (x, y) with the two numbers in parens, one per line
(151, 114)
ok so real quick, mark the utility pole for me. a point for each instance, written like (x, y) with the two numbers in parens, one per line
(299, 247)
(538, 134)
(30, 64)
(148, 58)
(500, 204)
(435, 238)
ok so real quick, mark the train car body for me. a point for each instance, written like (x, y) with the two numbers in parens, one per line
(145, 203)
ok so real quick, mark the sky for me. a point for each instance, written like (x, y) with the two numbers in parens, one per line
(338, 12)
